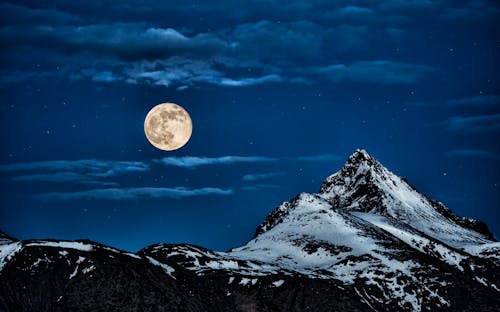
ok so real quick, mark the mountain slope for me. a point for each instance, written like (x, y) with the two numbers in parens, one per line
(366, 241)
(363, 184)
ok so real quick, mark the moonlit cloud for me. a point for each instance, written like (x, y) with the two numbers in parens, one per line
(16, 14)
(85, 171)
(249, 81)
(98, 167)
(479, 101)
(145, 53)
(196, 161)
(476, 101)
(120, 41)
(258, 187)
(193, 162)
(379, 72)
(471, 124)
(134, 193)
(62, 177)
(102, 172)
(261, 176)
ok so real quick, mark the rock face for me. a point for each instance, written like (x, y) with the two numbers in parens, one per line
(366, 241)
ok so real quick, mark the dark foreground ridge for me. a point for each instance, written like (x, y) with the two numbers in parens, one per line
(366, 241)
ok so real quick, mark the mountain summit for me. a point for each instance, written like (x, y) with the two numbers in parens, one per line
(366, 241)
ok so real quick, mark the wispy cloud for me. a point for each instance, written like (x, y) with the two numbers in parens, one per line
(380, 72)
(193, 162)
(86, 171)
(62, 177)
(104, 167)
(472, 124)
(261, 176)
(249, 81)
(106, 172)
(480, 101)
(470, 153)
(258, 187)
(135, 193)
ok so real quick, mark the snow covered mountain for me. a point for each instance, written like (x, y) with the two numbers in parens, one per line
(366, 241)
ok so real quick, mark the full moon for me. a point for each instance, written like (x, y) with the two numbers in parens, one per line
(168, 126)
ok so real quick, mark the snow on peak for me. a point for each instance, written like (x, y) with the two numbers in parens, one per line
(361, 154)
(364, 185)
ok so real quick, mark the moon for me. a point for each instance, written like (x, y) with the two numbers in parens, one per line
(168, 126)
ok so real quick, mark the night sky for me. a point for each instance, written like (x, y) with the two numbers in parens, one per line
(280, 94)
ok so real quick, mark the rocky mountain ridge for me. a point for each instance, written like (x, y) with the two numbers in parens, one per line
(366, 241)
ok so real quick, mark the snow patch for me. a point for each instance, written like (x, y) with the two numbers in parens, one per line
(132, 255)
(38, 261)
(7, 252)
(166, 268)
(244, 281)
(88, 269)
(74, 273)
(66, 245)
(222, 265)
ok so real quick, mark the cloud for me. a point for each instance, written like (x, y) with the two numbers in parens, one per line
(144, 53)
(12, 14)
(261, 176)
(122, 41)
(472, 10)
(470, 153)
(407, 5)
(98, 167)
(357, 15)
(193, 162)
(62, 177)
(175, 71)
(479, 101)
(171, 71)
(134, 193)
(355, 10)
(473, 124)
(380, 72)
(248, 81)
(272, 42)
(258, 187)
(86, 171)
(278, 42)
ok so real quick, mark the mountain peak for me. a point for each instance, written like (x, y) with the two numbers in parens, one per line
(360, 154)
(361, 158)
(357, 178)
(364, 185)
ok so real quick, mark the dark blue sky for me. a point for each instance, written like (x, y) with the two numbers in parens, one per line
(280, 93)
